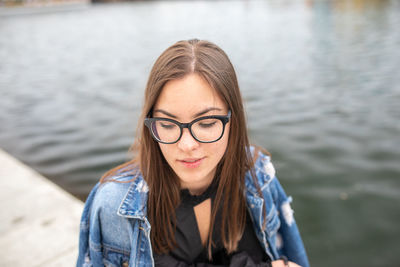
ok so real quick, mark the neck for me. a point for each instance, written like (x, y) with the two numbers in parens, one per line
(197, 188)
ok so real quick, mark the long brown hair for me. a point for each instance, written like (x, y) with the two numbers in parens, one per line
(211, 63)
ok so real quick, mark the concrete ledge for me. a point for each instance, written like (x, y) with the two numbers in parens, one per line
(39, 221)
(32, 9)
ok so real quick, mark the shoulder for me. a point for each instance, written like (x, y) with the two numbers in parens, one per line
(102, 222)
(263, 169)
(114, 196)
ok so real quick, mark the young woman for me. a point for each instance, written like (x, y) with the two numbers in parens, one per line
(196, 194)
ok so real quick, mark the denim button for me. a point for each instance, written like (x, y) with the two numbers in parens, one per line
(125, 264)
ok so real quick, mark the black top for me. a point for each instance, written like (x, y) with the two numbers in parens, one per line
(191, 252)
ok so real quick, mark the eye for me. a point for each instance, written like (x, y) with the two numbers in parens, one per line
(207, 124)
(167, 125)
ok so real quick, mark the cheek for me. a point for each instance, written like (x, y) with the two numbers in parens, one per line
(220, 147)
(166, 151)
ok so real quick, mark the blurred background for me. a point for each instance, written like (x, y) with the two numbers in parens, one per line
(320, 80)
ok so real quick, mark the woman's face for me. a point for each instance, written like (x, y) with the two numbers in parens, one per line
(184, 100)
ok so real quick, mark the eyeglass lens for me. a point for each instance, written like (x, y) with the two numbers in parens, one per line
(206, 130)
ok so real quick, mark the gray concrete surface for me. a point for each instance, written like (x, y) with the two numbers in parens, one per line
(41, 8)
(39, 221)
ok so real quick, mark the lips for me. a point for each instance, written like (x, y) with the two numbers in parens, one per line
(191, 162)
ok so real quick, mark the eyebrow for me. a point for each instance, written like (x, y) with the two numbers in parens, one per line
(195, 115)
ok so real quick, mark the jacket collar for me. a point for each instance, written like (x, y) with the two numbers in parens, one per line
(134, 203)
(264, 173)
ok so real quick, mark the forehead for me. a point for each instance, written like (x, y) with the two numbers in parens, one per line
(188, 95)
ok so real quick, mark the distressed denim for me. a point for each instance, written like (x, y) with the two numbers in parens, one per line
(114, 230)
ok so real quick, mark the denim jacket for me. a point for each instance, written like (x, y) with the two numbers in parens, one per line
(114, 230)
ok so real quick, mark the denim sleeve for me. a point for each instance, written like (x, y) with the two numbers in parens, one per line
(84, 247)
(291, 242)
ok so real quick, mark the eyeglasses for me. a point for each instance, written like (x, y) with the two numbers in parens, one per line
(206, 129)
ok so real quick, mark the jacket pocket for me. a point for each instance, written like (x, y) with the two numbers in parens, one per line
(115, 258)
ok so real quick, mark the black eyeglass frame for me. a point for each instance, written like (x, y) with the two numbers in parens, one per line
(223, 118)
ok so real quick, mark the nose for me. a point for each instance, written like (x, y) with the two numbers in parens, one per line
(187, 142)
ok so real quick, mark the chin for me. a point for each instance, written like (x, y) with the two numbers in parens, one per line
(191, 178)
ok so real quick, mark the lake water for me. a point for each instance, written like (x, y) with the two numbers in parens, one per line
(320, 79)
